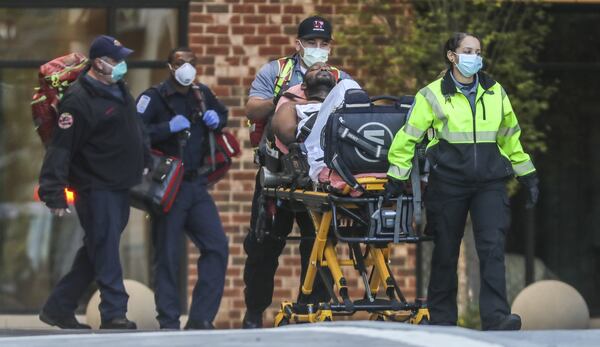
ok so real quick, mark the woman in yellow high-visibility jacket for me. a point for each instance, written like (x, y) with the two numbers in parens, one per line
(475, 150)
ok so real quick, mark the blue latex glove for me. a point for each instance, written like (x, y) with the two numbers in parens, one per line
(211, 119)
(178, 123)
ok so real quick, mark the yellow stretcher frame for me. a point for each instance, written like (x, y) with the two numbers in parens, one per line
(324, 255)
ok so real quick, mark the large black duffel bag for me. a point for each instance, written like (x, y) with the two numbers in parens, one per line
(357, 136)
(158, 189)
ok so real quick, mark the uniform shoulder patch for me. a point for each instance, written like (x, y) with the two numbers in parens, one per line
(143, 103)
(65, 121)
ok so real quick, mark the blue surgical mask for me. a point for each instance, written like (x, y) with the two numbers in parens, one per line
(118, 71)
(314, 55)
(469, 64)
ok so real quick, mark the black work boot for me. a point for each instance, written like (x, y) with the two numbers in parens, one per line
(119, 323)
(510, 322)
(198, 325)
(66, 322)
(252, 320)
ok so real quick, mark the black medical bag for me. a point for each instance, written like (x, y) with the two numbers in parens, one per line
(358, 135)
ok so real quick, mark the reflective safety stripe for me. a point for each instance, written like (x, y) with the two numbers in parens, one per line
(503, 93)
(506, 132)
(467, 136)
(413, 131)
(523, 168)
(435, 105)
(487, 136)
(398, 172)
(284, 75)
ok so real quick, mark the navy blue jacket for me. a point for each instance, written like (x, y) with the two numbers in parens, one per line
(99, 143)
(157, 105)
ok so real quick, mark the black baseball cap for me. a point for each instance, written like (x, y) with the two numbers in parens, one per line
(107, 46)
(315, 27)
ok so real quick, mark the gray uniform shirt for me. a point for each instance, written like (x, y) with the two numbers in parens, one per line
(468, 90)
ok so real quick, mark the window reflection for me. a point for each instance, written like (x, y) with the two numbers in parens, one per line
(31, 34)
(151, 33)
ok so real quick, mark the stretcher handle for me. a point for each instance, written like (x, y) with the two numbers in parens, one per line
(402, 100)
(386, 97)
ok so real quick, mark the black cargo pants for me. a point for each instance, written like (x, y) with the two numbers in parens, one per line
(447, 209)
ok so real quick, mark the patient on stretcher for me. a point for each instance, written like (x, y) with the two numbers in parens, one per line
(302, 113)
(336, 151)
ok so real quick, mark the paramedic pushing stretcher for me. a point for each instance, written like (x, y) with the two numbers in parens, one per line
(98, 150)
(476, 149)
(171, 110)
(312, 45)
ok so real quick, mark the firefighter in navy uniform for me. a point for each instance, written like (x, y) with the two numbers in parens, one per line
(313, 45)
(98, 150)
(171, 110)
(475, 150)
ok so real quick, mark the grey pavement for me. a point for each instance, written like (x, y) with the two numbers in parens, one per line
(347, 334)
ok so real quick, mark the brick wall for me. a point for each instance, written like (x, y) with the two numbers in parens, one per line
(232, 39)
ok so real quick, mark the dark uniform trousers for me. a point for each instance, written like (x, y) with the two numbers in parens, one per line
(447, 209)
(195, 212)
(103, 215)
(262, 261)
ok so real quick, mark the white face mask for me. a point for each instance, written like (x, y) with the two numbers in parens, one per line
(185, 74)
(314, 55)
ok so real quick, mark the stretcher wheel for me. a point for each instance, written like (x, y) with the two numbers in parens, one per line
(377, 317)
(421, 317)
(282, 322)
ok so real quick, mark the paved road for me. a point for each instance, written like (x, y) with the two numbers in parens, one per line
(346, 334)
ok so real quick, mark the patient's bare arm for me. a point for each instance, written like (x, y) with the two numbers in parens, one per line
(284, 123)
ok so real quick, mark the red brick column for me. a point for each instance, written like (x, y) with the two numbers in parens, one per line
(233, 39)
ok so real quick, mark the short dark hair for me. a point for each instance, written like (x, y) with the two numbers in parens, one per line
(454, 42)
(175, 50)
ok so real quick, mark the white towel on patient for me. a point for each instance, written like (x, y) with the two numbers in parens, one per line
(305, 112)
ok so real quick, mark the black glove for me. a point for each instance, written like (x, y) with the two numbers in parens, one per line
(393, 188)
(530, 182)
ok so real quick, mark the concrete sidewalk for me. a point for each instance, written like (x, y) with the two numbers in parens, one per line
(346, 334)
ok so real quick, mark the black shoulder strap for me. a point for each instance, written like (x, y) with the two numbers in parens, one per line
(183, 136)
(199, 95)
(342, 169)
(212, 141)
(163, 99)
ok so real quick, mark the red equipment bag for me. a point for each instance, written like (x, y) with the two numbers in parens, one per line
(224, 146)
(54, 78)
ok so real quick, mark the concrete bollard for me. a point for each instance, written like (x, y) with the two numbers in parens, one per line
(551, 305)
(140, 308)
